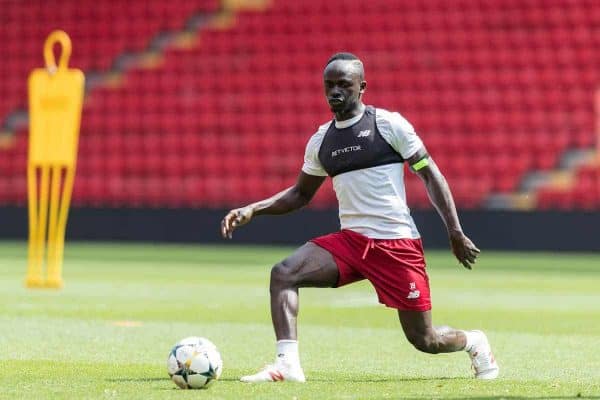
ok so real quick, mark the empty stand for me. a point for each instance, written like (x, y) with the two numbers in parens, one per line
(100, 31)
(584, 194)
(495, 89)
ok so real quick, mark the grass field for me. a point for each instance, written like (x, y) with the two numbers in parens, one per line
(107, 334)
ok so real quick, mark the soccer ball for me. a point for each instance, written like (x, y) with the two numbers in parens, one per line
(194, 363)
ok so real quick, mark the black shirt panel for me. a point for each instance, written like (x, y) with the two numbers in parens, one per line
(356, 147)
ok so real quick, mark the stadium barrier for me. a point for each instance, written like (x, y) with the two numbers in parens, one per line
(491, 230)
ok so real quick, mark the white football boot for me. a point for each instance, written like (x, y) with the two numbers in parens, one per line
(277, 372)
(482, 359)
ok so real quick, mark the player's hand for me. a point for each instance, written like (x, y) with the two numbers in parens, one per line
(235, 218)
(464, 250)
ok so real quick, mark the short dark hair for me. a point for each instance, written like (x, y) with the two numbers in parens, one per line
(342, 56)
(356, 62)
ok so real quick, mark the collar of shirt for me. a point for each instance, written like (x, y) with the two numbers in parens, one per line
(349, 122)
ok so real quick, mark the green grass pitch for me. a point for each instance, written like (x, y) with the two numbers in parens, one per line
(107, 334)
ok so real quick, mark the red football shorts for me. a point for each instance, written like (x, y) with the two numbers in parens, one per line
(395, 267)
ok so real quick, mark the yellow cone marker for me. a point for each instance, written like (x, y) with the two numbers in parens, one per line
(55, 102)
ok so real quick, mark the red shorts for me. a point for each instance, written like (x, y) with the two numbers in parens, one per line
(395, 267)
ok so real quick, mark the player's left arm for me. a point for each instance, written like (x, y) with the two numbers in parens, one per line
(441, 198)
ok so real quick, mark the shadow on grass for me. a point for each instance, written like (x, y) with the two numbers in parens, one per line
(362, 379)
(150, 379)
(337, 379)
(157, 379)
(501, 398)
(368, 379)
(375, 379)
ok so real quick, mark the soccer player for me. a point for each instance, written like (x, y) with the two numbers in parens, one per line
(363, 150)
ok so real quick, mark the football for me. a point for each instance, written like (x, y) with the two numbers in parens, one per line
(194, 363)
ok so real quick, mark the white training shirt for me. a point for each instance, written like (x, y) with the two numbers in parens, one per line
(372, 201)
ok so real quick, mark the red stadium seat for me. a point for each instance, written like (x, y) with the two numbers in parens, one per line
(226, 117)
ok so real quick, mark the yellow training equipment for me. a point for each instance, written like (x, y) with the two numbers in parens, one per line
(55, 102)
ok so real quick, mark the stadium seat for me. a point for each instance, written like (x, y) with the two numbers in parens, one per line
(225, 118)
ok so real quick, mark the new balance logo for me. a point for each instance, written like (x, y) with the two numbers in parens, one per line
(414, 293)
(364, 133)
(276, 376)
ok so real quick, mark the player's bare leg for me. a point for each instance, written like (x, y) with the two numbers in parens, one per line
(309, 266)
(425, 337)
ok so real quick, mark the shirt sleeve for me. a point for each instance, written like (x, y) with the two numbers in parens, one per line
(312, 165)
(402, 136)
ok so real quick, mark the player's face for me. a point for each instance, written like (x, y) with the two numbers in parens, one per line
(343, 87)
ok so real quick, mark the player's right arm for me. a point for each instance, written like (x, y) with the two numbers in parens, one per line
(288, 200)
(310, 179)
